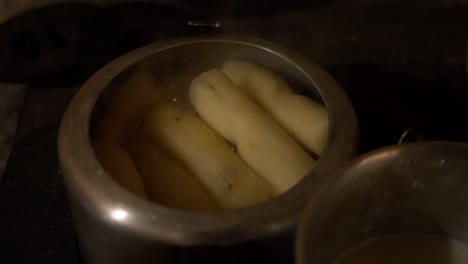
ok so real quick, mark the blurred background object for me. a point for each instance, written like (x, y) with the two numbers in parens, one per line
(11, 99)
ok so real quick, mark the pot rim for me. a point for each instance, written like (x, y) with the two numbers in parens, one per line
(89, 184)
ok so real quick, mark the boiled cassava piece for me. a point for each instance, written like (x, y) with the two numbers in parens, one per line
(229, 180)
(303, 118)
(260, 141)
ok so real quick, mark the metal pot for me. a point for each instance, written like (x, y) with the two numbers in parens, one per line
(115, 226)
(414, 188)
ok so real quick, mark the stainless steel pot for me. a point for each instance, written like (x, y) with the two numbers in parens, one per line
(115, 226)
(415, 188)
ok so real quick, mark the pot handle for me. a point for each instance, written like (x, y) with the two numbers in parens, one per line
(204, 23)
(411, 134)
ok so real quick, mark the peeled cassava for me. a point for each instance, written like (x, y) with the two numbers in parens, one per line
(231, 183)
(303, 118)
(259, 140)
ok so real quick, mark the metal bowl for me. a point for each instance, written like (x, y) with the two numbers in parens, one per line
(114, 224)
(415, 188)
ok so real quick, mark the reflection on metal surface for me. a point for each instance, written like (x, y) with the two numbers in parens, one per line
(119, 214)
(381, 156)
